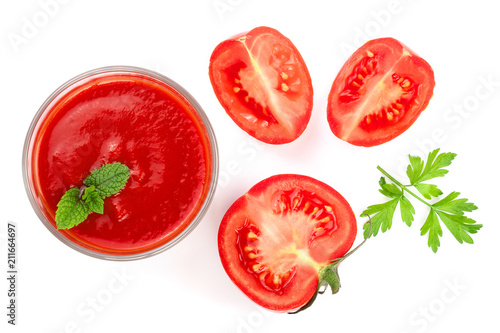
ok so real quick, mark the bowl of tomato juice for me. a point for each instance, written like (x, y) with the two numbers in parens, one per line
(139, 118)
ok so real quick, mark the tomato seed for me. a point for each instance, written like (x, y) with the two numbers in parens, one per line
(325, 219)
(252, 236)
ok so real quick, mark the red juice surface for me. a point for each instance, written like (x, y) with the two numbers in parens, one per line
(143, 123)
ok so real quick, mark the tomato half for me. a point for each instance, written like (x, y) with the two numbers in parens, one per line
(263, 84)
(379, 93)
(275, 239)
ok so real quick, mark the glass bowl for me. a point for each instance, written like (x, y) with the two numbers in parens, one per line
(92, 84)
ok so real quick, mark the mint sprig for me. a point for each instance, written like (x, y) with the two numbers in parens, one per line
(77, 203)
(450, 210)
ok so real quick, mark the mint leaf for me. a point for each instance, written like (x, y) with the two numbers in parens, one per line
(108, 179)
(93, 200)
(71, 210)
(77, 203)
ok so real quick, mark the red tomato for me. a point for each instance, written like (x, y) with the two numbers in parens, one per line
(276, 238)
(263, 84)
(379, 93)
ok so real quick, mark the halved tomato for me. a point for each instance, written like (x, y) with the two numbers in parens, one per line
(275, 240)
(379, 93)
(263, 84)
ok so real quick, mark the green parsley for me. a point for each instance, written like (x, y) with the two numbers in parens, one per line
(450, 210)
(77, 203)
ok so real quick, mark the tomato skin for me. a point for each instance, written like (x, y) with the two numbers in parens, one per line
(263, 84)
(256, 207)
(356, 120)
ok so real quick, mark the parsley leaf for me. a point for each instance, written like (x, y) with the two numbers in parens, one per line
(407, 211)
(457, 207)
(382, 218)
(428, 190)
(433, 168)
(432, 227)
(389, 190)
(460, 226)
(450, 210)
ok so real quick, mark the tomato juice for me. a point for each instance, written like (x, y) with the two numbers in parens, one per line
(138, 118)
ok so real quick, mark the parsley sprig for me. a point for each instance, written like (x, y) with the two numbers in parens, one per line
(450, 210)
(77, 203)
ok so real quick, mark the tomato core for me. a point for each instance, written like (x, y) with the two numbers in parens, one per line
(258, 113)
(299, 219)
(272, 277)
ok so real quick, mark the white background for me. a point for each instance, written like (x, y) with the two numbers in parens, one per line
(395, 284)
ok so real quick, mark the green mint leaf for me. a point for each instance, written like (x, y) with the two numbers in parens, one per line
(433, 168)
(428, 190)
(458, 206)
(71, 210)
(108, 179)
(407, 211)
(381, 217)
(93, 200)
(433, 228)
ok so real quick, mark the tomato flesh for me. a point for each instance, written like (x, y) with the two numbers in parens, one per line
(263, 84)
(257, 111)
(274, 240)
(379, 93)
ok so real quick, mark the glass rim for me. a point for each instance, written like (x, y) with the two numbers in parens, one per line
(214, 167)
